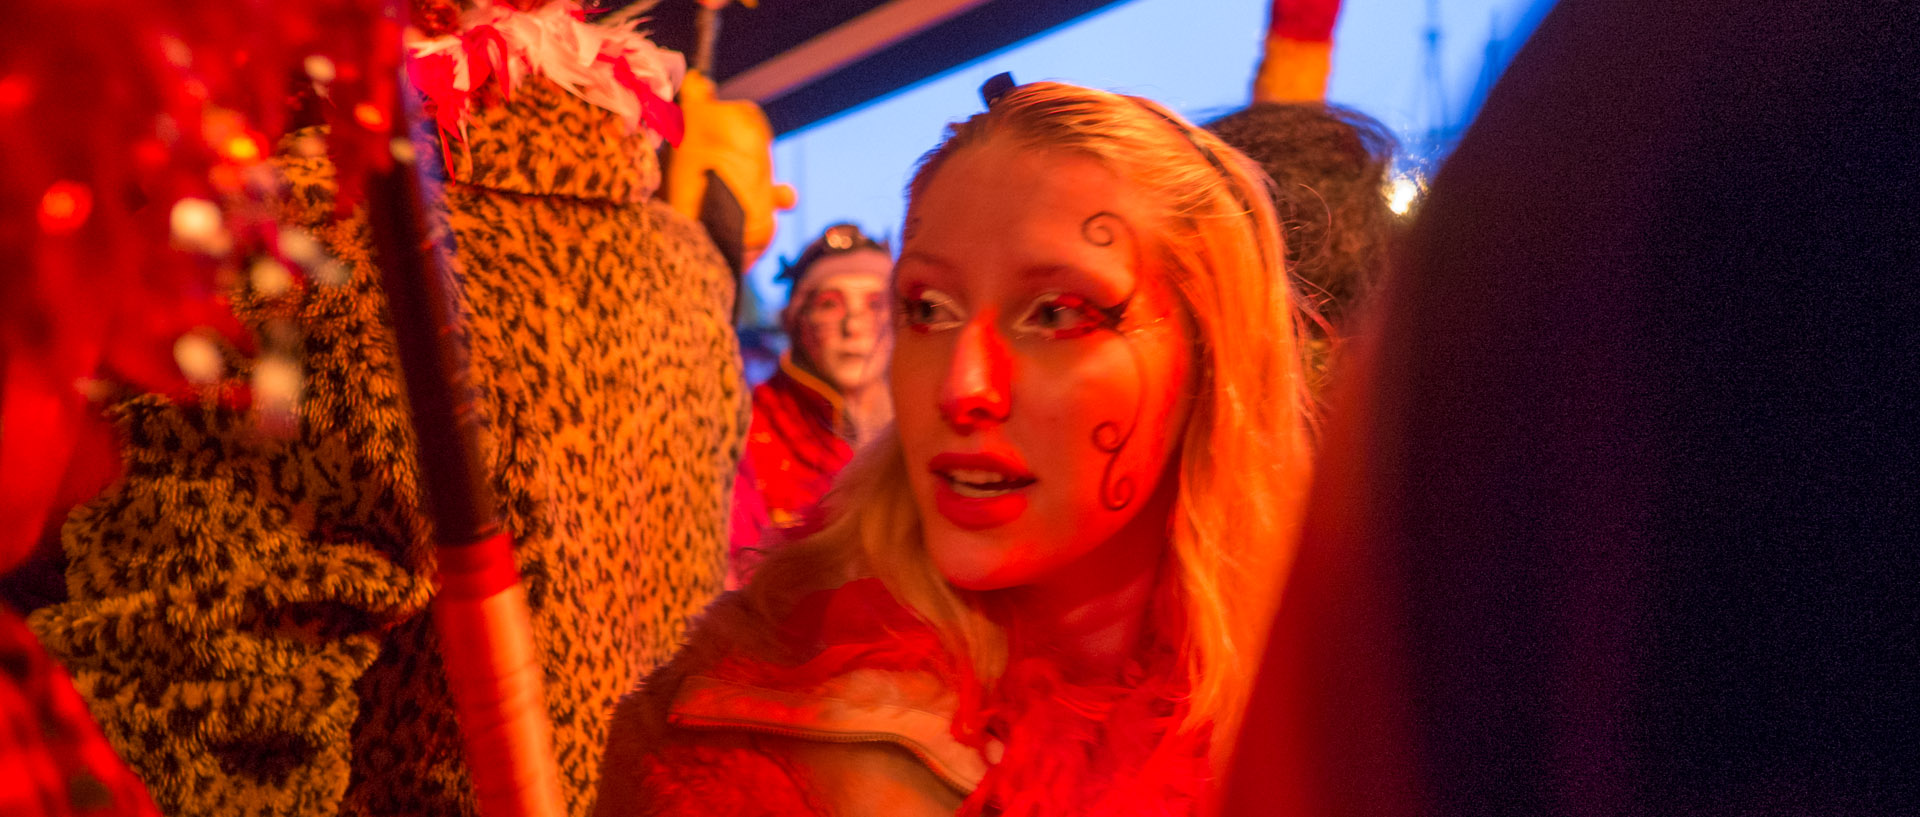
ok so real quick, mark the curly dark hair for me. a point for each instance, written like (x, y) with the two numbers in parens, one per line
(1329, 168)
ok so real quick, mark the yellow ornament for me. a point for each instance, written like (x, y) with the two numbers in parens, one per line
(733, 139)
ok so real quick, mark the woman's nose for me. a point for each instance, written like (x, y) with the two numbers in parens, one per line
(976, 394)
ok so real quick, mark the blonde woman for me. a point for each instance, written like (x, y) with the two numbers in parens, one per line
(1043, 592)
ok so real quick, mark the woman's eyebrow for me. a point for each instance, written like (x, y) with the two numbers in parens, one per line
(1056, 271)
(924, 258)
(1075, 274)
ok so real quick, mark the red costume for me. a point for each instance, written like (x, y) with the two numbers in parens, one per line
(799, 439)
(854, 706)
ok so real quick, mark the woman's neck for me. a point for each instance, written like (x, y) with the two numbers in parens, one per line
(1094, 612)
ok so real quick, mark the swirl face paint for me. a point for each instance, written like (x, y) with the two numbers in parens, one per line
(1041, 374)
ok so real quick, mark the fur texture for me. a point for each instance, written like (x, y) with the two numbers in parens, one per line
(248, 615)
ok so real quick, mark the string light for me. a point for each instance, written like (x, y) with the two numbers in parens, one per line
(65, 207)
(198, 359)
(300, 247)
(270, 277)
(197, 225)
(1402, 192)
(369, 115)
(320, 69)
(243, 148)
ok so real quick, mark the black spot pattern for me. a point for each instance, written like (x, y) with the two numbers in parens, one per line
(248, 615)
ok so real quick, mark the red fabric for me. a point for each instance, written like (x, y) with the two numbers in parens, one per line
(1107, 748)
(1305, 20)
(53, 760)
(698, 779)
(661, 115)
(794, 450)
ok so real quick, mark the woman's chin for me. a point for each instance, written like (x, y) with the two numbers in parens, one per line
(972, 564)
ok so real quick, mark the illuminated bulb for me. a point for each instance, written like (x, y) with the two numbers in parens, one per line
(320, 69)
(176, 52)
(198, 359)
(402, 149)
(242, 148)
(65, 206)
(270, 277)
(1401, 195)
(369, 115)
(300, 247)
(331, 273)
(197, 226)
(276, 393)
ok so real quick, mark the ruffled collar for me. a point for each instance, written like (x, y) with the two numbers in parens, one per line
(819, 398)
(1051, 745)
(1112, 747)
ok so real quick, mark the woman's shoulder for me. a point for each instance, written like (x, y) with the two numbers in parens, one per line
(843, 701)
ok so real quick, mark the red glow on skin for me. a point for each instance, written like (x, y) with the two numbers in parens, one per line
(977, 391)
(65, 207)
(979, 513)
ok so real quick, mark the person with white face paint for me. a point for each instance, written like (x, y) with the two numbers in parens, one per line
(828, 396)
(1041, 590)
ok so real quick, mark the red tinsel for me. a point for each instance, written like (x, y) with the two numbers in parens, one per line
(111, 116)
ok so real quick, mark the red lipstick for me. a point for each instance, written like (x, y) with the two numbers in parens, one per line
(980, 491)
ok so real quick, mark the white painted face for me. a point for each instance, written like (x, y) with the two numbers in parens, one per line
(840, 318)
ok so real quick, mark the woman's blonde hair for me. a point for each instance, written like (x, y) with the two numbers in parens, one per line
(1244, 462)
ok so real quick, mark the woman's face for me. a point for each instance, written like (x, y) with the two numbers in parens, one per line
(1042, 368)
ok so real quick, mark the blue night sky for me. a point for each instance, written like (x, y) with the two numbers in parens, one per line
(1197, 56)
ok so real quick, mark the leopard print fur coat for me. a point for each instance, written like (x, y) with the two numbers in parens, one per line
(247, 614)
